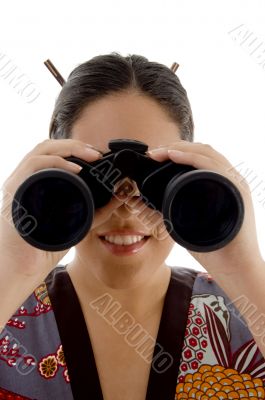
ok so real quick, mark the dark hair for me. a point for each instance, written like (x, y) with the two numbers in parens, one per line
(112, 73)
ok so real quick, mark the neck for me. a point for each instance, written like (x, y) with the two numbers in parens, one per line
(139, 292)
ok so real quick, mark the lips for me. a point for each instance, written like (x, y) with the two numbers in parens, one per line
(123, 232)
(125, 242)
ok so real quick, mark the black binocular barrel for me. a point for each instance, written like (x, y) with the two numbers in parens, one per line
(203, 210)
(53, 210)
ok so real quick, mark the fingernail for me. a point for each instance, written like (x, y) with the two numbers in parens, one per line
(156, 151)
(94, 148)
(92, 152)
(75, 167)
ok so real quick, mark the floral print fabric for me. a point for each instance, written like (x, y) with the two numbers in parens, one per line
(32, 363)
(219, 360)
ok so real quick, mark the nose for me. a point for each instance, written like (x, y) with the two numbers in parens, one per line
(126, 187)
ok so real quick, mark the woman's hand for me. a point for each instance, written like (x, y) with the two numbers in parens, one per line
(22, 266)
(243, 251)
(15, 252)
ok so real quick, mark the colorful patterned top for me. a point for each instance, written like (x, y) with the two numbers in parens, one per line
(203, 350)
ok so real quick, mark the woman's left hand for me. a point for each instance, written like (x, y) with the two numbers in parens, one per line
(243, 251)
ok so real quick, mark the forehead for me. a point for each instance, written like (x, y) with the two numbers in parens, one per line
(128, 115)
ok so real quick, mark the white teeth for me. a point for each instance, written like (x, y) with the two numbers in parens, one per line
(124, 239)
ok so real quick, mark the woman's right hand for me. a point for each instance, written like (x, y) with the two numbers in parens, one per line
(23, 258)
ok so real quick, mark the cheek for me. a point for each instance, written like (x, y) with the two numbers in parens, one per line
(162, 239)
(159, 230)
(162, 248)
(87, 242)
(149, 218)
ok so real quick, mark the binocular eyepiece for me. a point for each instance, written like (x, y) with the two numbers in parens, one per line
(202, 210)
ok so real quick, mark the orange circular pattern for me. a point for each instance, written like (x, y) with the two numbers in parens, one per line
(218, 383)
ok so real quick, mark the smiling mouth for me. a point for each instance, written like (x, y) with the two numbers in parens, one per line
(124, 240)
(125, 244)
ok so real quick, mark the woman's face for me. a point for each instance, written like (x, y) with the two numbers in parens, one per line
(131, 116)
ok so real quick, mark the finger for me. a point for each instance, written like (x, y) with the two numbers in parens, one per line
(202, 162)
(37, 163)
(196, 160)
(66, 148)
(160, 154)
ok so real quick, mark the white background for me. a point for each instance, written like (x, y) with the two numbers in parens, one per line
(221, 71)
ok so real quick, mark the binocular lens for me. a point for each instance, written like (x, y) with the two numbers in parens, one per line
(204, 209)
(61, 205)
(54, 209)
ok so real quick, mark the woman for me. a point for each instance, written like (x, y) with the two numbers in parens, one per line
(117, 322)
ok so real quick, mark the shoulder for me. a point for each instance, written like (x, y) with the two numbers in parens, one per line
(217, 341)
(31, 347)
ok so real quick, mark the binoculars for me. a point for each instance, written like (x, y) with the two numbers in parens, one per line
(201, 210)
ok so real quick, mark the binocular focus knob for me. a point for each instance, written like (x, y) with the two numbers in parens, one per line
(135, 145)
